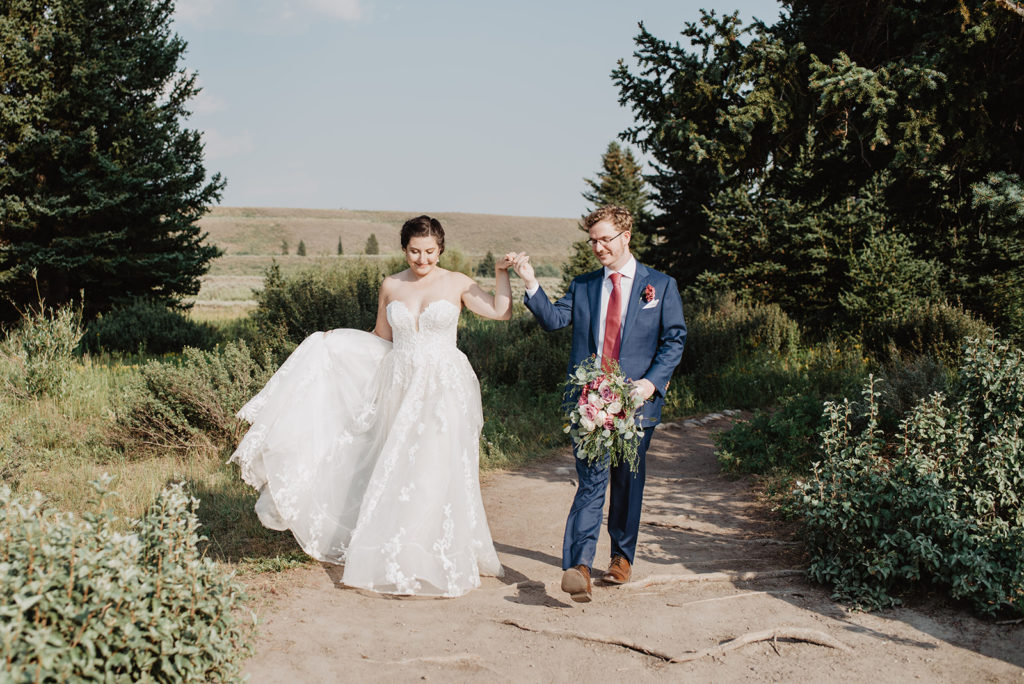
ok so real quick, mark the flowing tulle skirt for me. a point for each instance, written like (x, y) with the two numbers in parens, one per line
(369, 454)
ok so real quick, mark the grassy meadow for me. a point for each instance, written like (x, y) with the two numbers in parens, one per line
(57, 442)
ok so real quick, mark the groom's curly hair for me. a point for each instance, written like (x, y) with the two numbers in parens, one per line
(423, 226)
(619, 216)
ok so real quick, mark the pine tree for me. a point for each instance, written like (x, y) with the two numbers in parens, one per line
(371, 245)
(486, 265)
(301, 249)
(787, 158)
(284, 247)
(101, 186)
(341, 251)
(620, 181)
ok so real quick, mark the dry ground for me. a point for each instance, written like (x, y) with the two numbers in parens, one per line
(696, 522)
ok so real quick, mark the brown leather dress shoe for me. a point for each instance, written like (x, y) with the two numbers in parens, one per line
(576, 583)
(618, 571)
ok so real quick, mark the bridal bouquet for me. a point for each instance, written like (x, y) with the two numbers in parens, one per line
(602, 414)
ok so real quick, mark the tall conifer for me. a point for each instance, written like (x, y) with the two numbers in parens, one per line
(101, 186)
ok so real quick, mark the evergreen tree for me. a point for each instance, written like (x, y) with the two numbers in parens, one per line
(101, 187)
(486, 265)
(301, 249)
(284, 247)
(371, 245)
(341, 251)
(620, 181)
(582, 260)
(792, 160)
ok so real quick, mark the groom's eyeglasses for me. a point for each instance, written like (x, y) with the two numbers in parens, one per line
(605, 240)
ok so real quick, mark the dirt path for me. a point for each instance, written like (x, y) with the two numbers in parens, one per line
(695, 522)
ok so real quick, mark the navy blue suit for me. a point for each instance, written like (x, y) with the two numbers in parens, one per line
(653, 336)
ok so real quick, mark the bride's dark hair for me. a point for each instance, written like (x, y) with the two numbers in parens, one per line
(423, 226)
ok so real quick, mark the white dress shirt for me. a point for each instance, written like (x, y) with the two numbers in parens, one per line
(628, 272)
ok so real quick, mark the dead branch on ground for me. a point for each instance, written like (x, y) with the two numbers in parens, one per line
(811, 636)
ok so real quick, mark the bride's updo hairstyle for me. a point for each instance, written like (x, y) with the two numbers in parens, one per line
(423, 226)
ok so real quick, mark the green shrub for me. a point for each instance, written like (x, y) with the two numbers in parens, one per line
(515, 352)
(83, 601)
(145, 326)
(924, 329)
(325, 298)
(726, 329)
(936, 502)
(785, 439)
(37, 357)
(190, 406)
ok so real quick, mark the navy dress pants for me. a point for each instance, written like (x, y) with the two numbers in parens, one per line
(584, 524)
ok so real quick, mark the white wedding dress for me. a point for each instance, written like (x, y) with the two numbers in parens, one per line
(368, 451)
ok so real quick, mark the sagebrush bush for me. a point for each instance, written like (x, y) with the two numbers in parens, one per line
(83, 601)
(726, 329)
(190, 406)
(938, 502)
(924, 329)
(37, 356)
(146, 326)
(319, 298)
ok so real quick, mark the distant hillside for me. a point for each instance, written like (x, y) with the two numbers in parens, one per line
(259, 231)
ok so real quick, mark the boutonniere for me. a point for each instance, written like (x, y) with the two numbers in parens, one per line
(648, 294)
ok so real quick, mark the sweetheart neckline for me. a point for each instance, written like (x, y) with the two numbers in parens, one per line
(422, 311)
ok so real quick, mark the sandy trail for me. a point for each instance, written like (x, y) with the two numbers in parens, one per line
(695, 522)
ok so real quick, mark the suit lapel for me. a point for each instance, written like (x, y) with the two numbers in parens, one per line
(594, 293)
(640, 279)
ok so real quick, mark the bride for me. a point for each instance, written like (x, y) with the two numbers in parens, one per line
(366, 445)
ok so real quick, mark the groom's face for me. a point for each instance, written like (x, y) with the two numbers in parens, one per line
(610, 247)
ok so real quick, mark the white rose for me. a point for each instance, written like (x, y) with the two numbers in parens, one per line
(587, 424)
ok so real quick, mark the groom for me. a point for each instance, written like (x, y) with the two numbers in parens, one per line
(634, 314)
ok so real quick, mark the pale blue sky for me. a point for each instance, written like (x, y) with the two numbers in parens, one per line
(448, 105)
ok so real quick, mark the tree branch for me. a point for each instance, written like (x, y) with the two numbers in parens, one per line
(811, 636)
(1012, 5)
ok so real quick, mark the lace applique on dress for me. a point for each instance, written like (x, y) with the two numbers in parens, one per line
(368, 451)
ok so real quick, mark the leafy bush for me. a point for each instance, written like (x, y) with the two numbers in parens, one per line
(726, 329)
(515, 352)
(785, 439)
(191, 406)
(924, 329)
(341, 296)
(146, 326)
(85, 602)
(36, 357)
(937, 502)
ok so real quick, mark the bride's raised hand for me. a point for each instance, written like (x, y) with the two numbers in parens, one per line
(521, 263)
(506, 262)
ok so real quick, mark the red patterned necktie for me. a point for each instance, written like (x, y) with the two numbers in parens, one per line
(612, 324)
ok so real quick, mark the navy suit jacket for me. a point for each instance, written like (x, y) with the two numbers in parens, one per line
(653, 333)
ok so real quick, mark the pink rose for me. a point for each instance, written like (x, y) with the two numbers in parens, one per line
(589, 411)
(596, 400)
(606, 392)
(609, 422)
